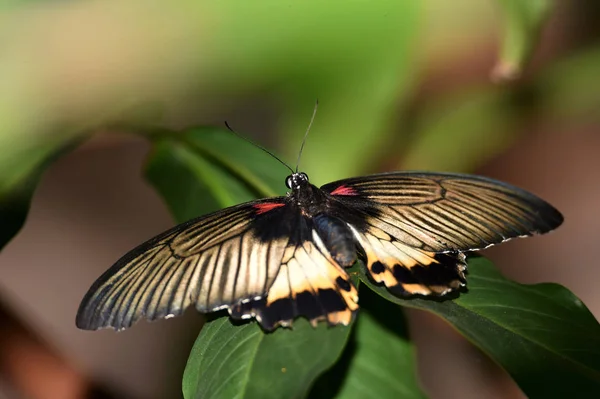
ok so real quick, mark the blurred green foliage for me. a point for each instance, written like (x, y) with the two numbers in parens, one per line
(524, 20)
(361, 60)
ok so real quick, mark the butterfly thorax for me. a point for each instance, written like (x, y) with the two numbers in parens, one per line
(310, 200)
(313, 203)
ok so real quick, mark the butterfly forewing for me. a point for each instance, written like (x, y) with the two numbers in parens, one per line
(445, 212)
(212, 262)
(417, 224)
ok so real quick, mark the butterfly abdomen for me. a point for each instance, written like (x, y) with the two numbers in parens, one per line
(338, 239)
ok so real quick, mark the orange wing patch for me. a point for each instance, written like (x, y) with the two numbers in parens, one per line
(310, 284)
(407, 270)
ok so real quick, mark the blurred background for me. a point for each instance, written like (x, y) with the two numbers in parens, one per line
(402, 85)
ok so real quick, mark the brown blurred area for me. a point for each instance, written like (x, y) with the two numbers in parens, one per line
(93, 205)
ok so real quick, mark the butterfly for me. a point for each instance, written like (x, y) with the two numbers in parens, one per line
(280, 258)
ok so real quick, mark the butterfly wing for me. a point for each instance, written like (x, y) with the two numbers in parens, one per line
(412, 227)
(310, 283)
(260, 259)
(213, 262)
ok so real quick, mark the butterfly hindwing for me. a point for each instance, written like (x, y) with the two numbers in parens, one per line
(310, 283)
(414, 226)
(211, 262)
(406, 270)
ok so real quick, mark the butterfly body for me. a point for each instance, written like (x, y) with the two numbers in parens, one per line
(280, 258)
(320, 208)
(337, 237)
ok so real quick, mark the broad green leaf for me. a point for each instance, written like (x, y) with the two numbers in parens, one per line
(524, 19)
(200, 171)
(542, 334)
(205, 169)
(379, 360)
(244, 362)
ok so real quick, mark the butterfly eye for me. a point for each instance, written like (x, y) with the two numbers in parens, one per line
(304, 176)
(288, 182)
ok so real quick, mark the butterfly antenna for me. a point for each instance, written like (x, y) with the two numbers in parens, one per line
(306, 134)
(259, 146)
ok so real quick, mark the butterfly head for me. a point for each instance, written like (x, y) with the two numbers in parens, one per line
(296, 180)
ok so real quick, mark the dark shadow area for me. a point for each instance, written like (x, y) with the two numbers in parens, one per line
(389, 315)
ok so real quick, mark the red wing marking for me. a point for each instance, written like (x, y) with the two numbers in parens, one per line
(266, 207)
(344, 190)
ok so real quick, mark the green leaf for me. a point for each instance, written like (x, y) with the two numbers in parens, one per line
(202, 170)
(524, 19)
(25, 155)
(379, 361)
(542, 334)
(19, 181)
(453, 124)
(205, 169)
(244, 362)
